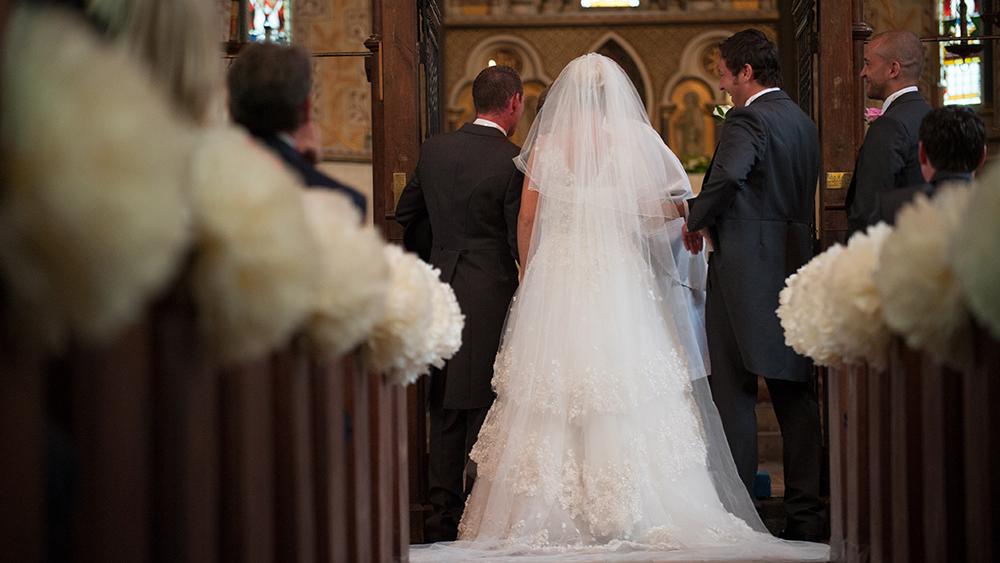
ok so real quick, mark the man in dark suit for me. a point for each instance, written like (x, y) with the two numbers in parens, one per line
(888, 157)
(952, 147)
(269, 94)
(757, 209)
(466, 185)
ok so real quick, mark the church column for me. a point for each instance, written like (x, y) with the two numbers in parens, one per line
(840, 107)
(840, 96)
(393, 70)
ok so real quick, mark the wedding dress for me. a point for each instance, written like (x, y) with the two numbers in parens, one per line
(603, 443)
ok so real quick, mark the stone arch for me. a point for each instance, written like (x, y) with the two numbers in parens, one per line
(525, 58)
(616, 47)
(694, 64)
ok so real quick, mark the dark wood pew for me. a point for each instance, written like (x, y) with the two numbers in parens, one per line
(915, 452)
(142, 450)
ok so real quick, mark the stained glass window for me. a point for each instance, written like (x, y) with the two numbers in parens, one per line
(269, 20)
(961, 64)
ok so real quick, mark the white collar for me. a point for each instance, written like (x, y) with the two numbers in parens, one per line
(759, 94)
(892, 97)
(287, 139)
(488, 123)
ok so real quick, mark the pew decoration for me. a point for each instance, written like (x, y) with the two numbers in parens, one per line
(830, 308)
(422, 323)
(256, 272)
(929, 281)
(974, 251)
(921, 297)
(354, 274)
(98, 219)
(94, 217)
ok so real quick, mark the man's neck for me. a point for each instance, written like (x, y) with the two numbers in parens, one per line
(497, 120)
(757, 94)
(894, 88)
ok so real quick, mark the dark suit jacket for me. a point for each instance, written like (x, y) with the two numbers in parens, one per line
(309, 174)
(893, 200)
(466, 185)
(758, 202)
(887, 160)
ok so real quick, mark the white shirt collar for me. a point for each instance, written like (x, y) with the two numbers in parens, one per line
(287, 139)
(488, 123)
(759, 94)
(892, 97)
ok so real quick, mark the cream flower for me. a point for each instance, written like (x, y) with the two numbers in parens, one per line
(422, 325)
(355, 274)
(397, 346)
(805, 311)
(830, 309)
(974, 251)
(445, 332)
(93, 215)
(921, 297)
(256, 270)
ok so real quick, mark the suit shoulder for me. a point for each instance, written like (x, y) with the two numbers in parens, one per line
(887, 126)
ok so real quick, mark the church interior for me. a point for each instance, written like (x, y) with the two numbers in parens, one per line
(179, 395)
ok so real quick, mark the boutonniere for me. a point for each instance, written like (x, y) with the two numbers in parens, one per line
(871, 114)
(720, 111)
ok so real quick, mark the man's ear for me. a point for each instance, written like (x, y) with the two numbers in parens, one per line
(516, 101)
(747, 73)
(895, 69)
(982, 161)
(922, 153)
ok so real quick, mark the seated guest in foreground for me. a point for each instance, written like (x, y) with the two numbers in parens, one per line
(269, 87)
(952, 147)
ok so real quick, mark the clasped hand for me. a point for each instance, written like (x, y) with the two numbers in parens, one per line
(693, 242)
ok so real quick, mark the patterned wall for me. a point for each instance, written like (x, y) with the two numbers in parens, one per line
(657, 47)
(342, 94)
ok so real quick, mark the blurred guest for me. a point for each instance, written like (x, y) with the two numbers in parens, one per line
(269, 94)
(952, 147)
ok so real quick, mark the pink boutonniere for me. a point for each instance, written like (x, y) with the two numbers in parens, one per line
(871, 114)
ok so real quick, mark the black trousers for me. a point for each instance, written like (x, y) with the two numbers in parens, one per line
(453, 432)
(734, 390)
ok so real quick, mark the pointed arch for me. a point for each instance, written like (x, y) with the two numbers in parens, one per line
(693, 64)
(633, 65)
(532, 68)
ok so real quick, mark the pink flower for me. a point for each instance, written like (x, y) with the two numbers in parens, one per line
(871, 114)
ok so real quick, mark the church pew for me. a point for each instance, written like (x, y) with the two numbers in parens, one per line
(930, 462)
(981, 431)
(141, 450)
(22, 449)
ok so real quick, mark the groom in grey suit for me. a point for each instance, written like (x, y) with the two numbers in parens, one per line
(757, 209)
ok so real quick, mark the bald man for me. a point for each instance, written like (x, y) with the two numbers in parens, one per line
(888, 158)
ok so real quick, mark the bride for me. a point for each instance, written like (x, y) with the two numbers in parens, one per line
(603, 443)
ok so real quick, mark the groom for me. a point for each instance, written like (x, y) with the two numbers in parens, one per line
(757, 209)
(468, 190)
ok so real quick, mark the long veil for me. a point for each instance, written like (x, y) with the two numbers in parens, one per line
(602, 358)
(596, 161)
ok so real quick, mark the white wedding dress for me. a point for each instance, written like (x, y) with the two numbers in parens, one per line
(603, 443)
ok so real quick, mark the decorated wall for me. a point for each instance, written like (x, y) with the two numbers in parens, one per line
(669, 49)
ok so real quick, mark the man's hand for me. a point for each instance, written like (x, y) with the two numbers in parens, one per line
(693, 242)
